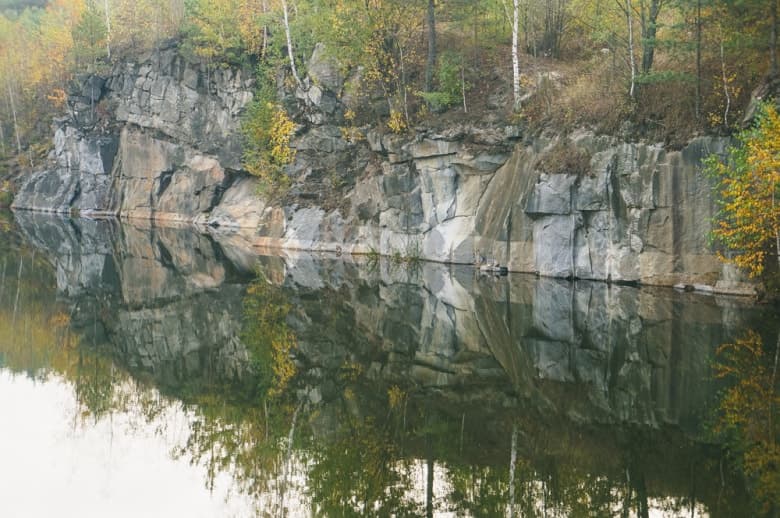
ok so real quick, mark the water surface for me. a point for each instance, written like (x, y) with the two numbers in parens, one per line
(163, 372)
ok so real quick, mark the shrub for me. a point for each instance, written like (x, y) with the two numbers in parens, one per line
(267, 130)
(565, 158)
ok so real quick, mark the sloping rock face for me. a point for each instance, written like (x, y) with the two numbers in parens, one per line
(159, 139)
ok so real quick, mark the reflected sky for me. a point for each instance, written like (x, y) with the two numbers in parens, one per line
(55, 464)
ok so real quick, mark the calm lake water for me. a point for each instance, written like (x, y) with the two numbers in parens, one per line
(150, 372)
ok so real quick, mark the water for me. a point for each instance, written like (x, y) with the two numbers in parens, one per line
(162, 372)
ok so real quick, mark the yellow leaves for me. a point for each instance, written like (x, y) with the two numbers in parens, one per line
(350, 371)
(396, 397)
(749, 188)
(267, 131)
(748, 412)
(283, 366)
(59, 320)
(397, 122)
(269, 339)
(281, 132)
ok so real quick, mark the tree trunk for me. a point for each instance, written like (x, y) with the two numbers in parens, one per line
(403, 89)
(108, 29)
(725, 86)
(698, 61)
(773, 41)
(649, 31)
(431, 63)
(13, 113)
(2, 139)
(264, 50)
(777, 233)
(632, 62)
(515, 56)
(289, 44)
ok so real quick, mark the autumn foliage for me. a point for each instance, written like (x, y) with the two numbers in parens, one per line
(748, 225)
(748, 413)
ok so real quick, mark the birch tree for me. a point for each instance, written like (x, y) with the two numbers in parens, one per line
(431, 62)
(290, 52)
(514, 18)
(627, 8)
(515, 56)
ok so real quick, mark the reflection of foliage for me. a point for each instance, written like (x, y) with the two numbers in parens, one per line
(359, 471)
(268, 337)
(748, 414)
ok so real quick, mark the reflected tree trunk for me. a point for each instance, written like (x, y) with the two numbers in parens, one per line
(287, 466)
(640, 488)
(430, 465)
(18, 286)
(512, 510)
(2, 282)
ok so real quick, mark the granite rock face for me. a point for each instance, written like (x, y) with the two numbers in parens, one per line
(158, 139)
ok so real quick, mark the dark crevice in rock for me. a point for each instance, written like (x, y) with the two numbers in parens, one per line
(166, 259)
(164, 181)
(220, 189)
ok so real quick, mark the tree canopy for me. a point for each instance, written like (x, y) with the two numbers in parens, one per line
(671, 67)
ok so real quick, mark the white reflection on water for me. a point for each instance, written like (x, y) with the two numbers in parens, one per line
(54, 465)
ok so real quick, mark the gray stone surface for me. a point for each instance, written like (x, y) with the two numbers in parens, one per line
(641, 214)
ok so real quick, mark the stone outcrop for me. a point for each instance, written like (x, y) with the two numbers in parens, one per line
(158, 139)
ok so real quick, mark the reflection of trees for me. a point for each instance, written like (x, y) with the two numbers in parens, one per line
(361, 433)
(268, 338)
(748, 417)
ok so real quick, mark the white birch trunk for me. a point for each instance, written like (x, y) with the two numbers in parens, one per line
(13, 113)
(108, 29)
(725, 86)
(632, 61)
(2, 139)
(515, 57)
(289, 44)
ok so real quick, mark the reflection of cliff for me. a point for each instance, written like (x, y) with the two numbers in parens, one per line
(598, 380)
(171, 303)
(160, 299)
(593, 352)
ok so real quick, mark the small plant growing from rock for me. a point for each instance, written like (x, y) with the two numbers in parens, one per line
(397, 123)
(565, 158)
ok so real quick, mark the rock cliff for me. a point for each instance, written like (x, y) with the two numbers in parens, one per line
(158, 139)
